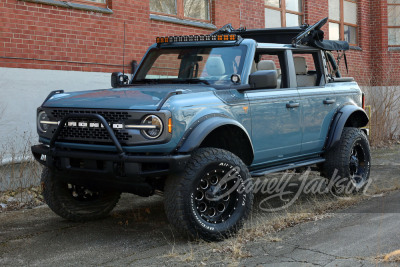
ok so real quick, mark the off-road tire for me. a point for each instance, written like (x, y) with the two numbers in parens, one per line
(59, 198)
(182, 207)
(339, 164)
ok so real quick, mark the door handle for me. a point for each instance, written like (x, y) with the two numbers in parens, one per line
(292, 104)
(329, 101)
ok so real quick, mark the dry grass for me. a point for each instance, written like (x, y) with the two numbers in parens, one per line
(21, 198)
(19, 175)
(18, 169)
(392, 257)
(265, 226)
(185, 257)
(385, 114)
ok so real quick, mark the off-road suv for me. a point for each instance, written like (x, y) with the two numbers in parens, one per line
(199, 118)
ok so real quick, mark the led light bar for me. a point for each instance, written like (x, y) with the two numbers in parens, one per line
(196, 38)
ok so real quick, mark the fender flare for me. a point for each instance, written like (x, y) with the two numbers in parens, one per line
(342, 116)
(195, 135)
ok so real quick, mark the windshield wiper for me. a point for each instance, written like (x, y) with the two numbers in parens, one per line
(195, 80)
(157, 81)
(148, 81)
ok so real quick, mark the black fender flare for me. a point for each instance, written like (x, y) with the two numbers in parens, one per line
(348, 113)
(195, 135)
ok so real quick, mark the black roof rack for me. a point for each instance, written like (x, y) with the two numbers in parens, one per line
(302, 35)
(272, 35)
(267, 35)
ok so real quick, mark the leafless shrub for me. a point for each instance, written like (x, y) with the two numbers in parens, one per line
(384, 102)
(18, 169)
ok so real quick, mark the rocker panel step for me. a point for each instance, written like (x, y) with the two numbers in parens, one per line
(285, 167)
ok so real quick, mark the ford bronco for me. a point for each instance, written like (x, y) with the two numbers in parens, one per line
(200, 116)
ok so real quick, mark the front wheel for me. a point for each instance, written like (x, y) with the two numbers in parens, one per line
(76, 202)
(212, 198)
(348, 164)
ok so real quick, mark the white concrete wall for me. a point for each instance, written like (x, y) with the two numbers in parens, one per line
(23, 90)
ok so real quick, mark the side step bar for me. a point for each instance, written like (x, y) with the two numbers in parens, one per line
(285, 167)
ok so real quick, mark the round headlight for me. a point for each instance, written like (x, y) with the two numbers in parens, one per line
(42, 117)
(155, 129)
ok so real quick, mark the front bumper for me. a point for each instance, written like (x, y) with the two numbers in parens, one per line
(110, 164)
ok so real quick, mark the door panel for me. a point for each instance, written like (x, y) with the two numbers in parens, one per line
(276, 131)
(318, 105)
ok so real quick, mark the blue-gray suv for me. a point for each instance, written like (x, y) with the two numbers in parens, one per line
(200, 116)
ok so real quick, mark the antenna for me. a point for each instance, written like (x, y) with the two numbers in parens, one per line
(123, 54)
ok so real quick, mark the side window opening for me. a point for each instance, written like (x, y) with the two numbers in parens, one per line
(272, 61)
(308, 69)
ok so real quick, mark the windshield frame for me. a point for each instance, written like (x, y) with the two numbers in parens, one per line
(147, 58)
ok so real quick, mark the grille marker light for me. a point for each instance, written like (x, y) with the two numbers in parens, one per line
(118, 125)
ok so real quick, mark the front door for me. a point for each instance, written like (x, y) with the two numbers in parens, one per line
(276, 131)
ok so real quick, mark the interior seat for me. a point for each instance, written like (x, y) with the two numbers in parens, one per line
(270, 65)
(215, 66)
(303, 78)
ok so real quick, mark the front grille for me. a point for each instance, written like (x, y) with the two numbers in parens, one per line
(89, 134)
(110, 116)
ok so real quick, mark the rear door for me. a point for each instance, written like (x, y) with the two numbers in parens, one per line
(318, 102)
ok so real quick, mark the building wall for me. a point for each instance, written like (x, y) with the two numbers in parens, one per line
(39, 36)
(23, 90)
(48, 37)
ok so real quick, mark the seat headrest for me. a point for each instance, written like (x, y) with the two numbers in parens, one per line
(300, 65)
(215, 66)
(266, 65)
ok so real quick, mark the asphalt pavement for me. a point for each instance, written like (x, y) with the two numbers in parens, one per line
(137, 233)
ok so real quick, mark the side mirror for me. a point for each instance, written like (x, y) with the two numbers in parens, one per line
(263, 79)
(118, 79)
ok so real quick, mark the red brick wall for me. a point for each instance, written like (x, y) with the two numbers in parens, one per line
(252, 14)
(88, 41)
(70, 39)
(385, 64)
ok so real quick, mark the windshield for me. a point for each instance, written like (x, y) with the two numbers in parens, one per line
(209, 65)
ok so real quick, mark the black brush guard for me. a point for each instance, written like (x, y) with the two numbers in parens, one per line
(120, 170)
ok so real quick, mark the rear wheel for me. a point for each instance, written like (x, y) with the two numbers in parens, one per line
(209, 200)
(76, 202)
(348, 164)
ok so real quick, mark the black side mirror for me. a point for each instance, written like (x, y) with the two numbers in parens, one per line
(118, 79)
(263, 79)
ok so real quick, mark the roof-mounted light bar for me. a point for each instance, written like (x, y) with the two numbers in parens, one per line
(196, 38)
